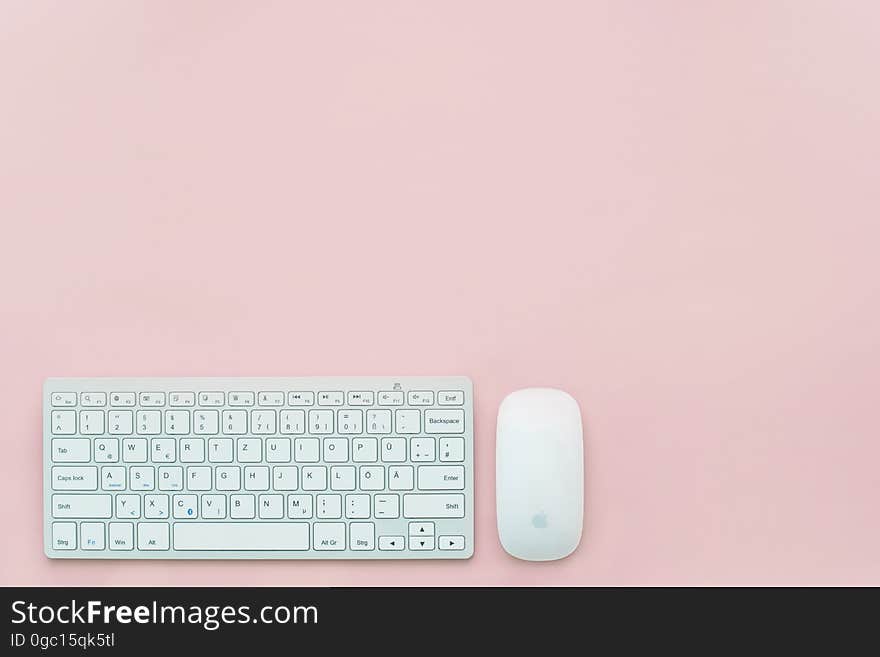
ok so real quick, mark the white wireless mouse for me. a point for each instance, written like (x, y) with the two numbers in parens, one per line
(539, 474)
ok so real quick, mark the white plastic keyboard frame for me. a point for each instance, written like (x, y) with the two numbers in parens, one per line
(443, 526)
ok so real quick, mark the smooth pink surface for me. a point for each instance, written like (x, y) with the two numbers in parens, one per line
(671, 210)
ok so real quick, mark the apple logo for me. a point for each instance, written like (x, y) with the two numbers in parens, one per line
(539, 520)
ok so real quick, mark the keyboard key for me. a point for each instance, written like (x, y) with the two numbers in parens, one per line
(321, 422)
(441, 477)
(93, 399)
(329, 535)
(391, 398)
(213, 507)
(250, 450)
(306, 450)
(123, 399)
(357, 506)
(220, 450)
(163, 450)
(386, 506)
(155, 506)
(392, 543)
(364, 450)
(444, 421)
(64, 535)
(228, 477)
(82, 506)
(185, 506)
(299, 506)
(113, 477)
(63, 399)
(301, 398)
(75, 478)
(91, 535)
(235, 422)
(192, 450)
(350, 421)
(142, 477)
(284, 477)
(421, 542)
(450, 398)
(120, 423)
(271, 506)
(91, 423)
(400, 477)
(154, 535)
(148, 422)
(420, 398)
(262, 421)
(394, 450)
(171, 478)
(206, 422)
(242, 506)
(362, 536)
(421, 529)
(361, 398)
(421, 449)
(182, 399)
(121, 536)
(379, 421)
(336, 450)
(212, 398)
(71, 450)
(198, 477)
(152, 399)
(433, 506)
(242, 536)
(128, 506)
(407, 421)
(452, 449)
(64, 423)
(177, 423)
(278, 450)
(372, 477)
(293, 422)
(329, 506)
(106, 450)
(256, 477)
(331, 398)
(241, 398)
(270, 398)
(134, 450)
(342, 477)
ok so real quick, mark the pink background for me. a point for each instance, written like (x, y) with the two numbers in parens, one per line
(671, 210)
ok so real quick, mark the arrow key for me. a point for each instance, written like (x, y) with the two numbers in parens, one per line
(421, 542)
(421, 529)
(392, 542)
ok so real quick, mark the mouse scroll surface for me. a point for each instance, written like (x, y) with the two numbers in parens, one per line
(539, 474)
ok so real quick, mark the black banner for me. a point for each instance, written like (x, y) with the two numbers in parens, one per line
(416, 620)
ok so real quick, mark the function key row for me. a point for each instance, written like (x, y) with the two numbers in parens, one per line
(262, 398)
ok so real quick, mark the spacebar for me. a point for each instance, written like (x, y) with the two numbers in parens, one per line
(241, 536)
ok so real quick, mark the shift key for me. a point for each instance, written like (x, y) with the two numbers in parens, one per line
(433, 506)
(81, 506)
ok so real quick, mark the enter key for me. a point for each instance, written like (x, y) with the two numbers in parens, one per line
(441, 477)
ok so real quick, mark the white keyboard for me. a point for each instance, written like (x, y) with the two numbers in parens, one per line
(259, 468)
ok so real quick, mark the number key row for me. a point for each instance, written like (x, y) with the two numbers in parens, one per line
(261, 421)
